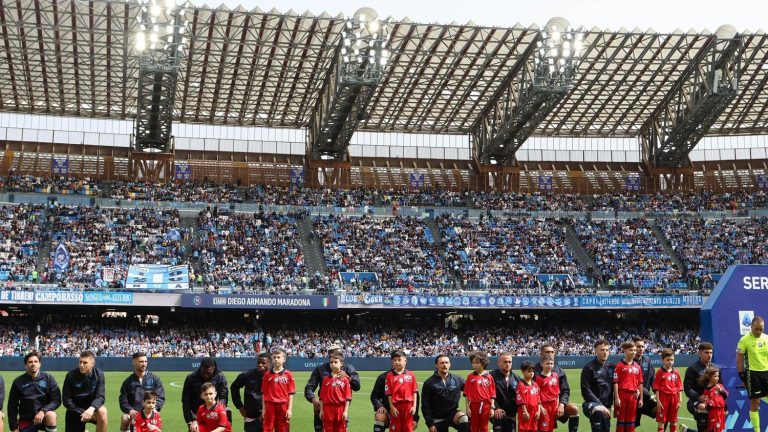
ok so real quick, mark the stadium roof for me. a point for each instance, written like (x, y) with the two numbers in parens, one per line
(256, 68)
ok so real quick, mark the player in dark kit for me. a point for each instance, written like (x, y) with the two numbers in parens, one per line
(33, 399)
(191, 392)
(503, 417)
(597, 388)
(84, 396)
(649, 400)
(250, 380)
(133, 388)
(566, 411)
(693, 389)
(316, 379)
(440, 396)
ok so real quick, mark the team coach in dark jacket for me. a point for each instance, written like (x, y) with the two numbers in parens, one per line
(84, 395)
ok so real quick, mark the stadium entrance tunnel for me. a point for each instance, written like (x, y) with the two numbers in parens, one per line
(741, 294)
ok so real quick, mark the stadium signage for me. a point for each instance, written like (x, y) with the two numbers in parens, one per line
(755, 282)
(258, 301)
(68, 297)
(525, 302)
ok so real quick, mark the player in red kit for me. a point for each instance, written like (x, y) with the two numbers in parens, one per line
(479, 393)
(401, 389)
(277, 388)
(529, 408)
(627, 389)
(211, 415)
(549, 389)
(714, 399)
(667, 386)
(148, 420)
(335, 395)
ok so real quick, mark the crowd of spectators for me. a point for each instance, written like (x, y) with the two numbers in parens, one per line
(100, 238)
(511, 201)
(21, 234)
(628, 254)
(695, 202)
(372, 336)
(61, 185)
(188, 192)
(708, 246)
(509, 254)
(524, 337)
(400, 250)
(251, 252)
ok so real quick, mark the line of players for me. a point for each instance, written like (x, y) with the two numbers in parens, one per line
(534, 401)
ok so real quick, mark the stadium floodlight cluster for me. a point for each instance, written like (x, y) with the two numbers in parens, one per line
(559, 53)
(364, 51)
(162, 24)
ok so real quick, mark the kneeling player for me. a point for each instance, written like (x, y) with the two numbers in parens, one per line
(380, 404)
(440, 399)
(667, 385)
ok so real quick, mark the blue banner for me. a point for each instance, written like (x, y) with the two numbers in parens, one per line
(61, 259)
(70, 297)
(235, 301)
(183, 172)
(545, 182)
(297, 176)
(157, 277)
(504, 302)
(632, 183)
(741, 294)
(60, 166)
(416, 180)
(762, 181)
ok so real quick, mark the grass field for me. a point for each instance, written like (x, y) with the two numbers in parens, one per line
(361, 411)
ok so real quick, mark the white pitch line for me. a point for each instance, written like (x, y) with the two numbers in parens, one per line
(175, 384)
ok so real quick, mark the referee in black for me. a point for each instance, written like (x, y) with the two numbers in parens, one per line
(693, 389)
(752, 365)
(597, 388)
(84, 395)
(316, 379)
(250, 381)
(440, 395)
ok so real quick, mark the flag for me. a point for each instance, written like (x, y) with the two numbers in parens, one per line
(61, 259)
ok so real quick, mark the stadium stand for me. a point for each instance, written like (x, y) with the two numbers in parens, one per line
(400, 252)
(251, 252)
(98, 238)
(709, 246)
(508, 255)
(21, 234)
(528, 202)
(628, 254)
(187, 192)
(52, 185)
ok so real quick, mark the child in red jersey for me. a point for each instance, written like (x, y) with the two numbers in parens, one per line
(479, 393)
(335, 395)
(667, 386)
(627, 389)
(212, 416)
(529, 408)
(714, 399)
(277, 388)
(549, 389)
(401, 388)
(148, 420)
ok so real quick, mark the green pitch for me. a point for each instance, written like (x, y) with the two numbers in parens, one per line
(361, 411)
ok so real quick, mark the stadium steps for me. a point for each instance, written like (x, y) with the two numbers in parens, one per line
(584, 260)
(665, 244)
(313, 248)
(437, 236)
(190, 222)
(43, 255)
(106, 189)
